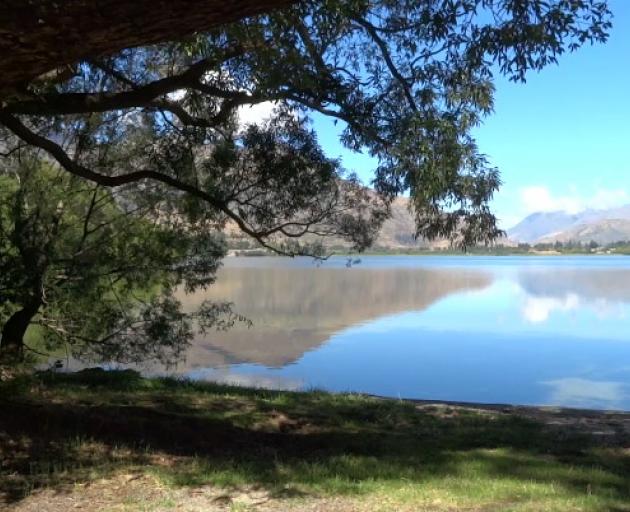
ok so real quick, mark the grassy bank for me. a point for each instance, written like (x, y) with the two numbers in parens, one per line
(115, 441)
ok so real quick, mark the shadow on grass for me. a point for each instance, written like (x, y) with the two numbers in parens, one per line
(60, 429)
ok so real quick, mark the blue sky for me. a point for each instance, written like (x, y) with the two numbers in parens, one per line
(561, 140)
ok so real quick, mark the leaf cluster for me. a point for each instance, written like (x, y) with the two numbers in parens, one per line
(104, 268)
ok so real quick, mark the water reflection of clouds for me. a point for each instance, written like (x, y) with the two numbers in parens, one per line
(603, 292)
(605, 309)
(538, 309)
(228, 376)
(578, 392)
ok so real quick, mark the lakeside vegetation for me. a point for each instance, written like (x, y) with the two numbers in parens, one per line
(134, 138)
(244, 248)
(116, 441)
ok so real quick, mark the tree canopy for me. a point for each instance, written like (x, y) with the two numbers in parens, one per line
(408, 80)
(97, 272)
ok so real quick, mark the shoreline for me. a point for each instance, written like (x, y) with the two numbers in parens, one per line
(614, 424)
(255, 254)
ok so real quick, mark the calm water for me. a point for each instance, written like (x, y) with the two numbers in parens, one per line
(524, 330)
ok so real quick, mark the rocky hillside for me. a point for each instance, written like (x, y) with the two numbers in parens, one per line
(397, 232)
(602, 226)
(604, 231)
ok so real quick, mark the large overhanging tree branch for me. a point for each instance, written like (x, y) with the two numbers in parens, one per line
(49, 36)
(137, 96)
(118, 180)
(408, 80)
(237, 203)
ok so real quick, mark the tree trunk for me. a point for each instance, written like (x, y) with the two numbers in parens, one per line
(41, 36)
(12, 341)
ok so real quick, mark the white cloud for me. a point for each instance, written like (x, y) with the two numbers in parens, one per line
(255, 114)
(176, 95)
(540, 199)
(607, 198)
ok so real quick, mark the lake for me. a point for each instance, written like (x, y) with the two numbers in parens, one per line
(518, 330)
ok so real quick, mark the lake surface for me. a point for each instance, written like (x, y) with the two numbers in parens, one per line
(519, 330)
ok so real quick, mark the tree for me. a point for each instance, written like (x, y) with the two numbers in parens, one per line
(407, 79)
(44, 39)
(94, 272)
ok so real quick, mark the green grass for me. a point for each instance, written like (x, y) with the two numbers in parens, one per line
(58, 430)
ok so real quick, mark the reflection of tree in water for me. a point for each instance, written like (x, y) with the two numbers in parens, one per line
(588, 284)
(295, 310)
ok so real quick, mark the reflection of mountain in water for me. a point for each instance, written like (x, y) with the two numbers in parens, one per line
(295, 310)
(588, 284)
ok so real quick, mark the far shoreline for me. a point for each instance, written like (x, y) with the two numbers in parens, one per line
(258, 254)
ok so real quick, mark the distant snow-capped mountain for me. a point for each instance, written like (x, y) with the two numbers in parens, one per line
(603, 226)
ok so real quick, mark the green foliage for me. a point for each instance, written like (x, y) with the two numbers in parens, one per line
(407, 79)
(103, 270)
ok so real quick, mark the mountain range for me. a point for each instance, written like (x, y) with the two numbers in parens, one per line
(602, 226)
